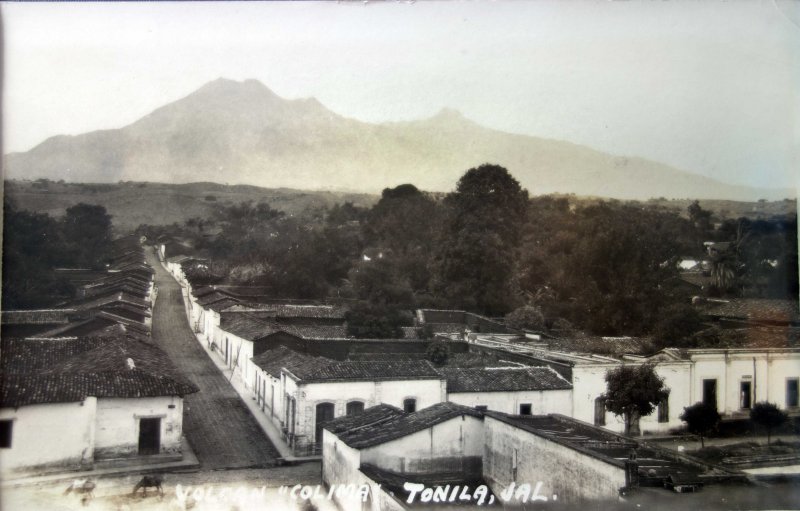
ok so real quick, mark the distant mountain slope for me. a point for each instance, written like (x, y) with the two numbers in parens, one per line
(133, 204)
(243, 133)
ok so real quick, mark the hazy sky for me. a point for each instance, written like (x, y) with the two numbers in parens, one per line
(710, 87)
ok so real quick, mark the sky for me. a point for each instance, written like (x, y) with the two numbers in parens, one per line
(710, 87)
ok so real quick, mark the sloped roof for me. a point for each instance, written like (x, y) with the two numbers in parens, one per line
(368, 429)
(209, 298)
(503, 379)
(317, 332)
(221, 305)
(105, 298)
(272, 361)
(309, 311)
(605, 345)
(36, 317)
(754, 309)
(69, 370)
(246, 326)
(370, 371)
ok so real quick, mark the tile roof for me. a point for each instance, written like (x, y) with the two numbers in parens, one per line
(503, 379)
(602, 345)
(246, 326)
(370, 371)
(753, 309)
(209, 298)
(106, 298)
(272, 361)
(313, 369)
(374, 427)
(69, 370)
(35, 317)
(317, 332)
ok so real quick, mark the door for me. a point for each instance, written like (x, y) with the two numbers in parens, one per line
(149, 436)
(710, 393)
(745, 393)
(324, 414)
(599, 412)
(791, 392)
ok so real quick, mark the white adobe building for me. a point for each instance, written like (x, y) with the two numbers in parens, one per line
(514, 390)
(69, 402)
(732, 379)
(301, 392)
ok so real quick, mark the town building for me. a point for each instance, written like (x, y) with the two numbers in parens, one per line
(514, 390)
(301, 392)
(67, 403)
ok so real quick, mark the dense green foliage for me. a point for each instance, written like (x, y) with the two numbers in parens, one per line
(633, 392)
(768, 416)
(701, 419)
(367, 321)
(605, 267)
(34, 244)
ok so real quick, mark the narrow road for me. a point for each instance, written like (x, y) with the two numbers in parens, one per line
(217, 424)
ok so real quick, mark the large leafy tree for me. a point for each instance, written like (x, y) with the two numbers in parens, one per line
(701, 419)
(768, 416)
(620, 268)
(475, 265)
(633, 392)
(87, 234)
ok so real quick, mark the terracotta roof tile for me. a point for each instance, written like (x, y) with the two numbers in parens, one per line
(370, 371)
(503, 379)
(68, 370)
(380, 424)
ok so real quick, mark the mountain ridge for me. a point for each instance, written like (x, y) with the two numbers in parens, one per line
(244, 133)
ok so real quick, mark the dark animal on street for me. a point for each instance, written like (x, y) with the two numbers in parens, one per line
(149, 481)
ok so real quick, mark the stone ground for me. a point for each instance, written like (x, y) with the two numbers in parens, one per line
(219, 427)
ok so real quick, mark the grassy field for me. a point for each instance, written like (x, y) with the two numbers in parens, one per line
(132, 204)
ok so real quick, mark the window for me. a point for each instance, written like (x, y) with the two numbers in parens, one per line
(354, 407)
(710, 393)
(791, 392)
(525, 409)
(599, 412)
(745, 394)
(410, 405)
(663, 410)
(481, 408)
(6, 428)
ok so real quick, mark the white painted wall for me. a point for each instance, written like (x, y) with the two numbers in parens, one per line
(542, 401)
(436, 449)
(571, 475)
(50, 434)
(588, 383)
(117, 426)
(309, 395)
(767, 370)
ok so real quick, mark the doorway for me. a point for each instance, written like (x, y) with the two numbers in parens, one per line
(324, 414)
(149, 436)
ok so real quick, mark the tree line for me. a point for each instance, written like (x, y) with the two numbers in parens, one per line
(605, 267)
(34, 244)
